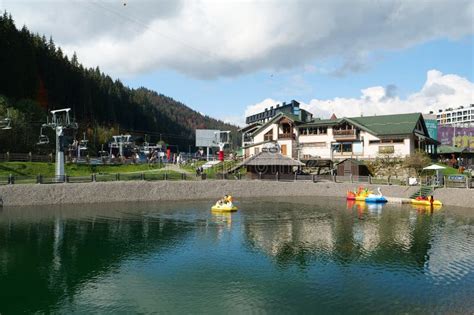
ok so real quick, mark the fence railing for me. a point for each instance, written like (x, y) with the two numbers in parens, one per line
(26, 157)
(449, 182)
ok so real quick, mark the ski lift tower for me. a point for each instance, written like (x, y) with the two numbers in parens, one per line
(60, 121)
(119, 143)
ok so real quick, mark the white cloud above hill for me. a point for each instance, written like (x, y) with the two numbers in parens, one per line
(209, 39)
(439, 91)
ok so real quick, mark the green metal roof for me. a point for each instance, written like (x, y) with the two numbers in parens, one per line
(399, 124)
(321, 123)
(357, 162)
(446, 149)
(389, 124)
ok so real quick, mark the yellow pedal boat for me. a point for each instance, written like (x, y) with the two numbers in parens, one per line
(436, 203)
(223, 208)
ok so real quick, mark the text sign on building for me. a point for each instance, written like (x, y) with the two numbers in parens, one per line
(456, 178)
(207, 137)
(432, 126)
(388, 149)
(461, 137)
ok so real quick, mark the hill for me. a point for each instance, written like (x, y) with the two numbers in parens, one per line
(37, 77)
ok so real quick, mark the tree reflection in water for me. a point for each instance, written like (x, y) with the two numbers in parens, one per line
(46, 254)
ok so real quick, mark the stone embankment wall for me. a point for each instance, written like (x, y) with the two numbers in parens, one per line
(22, 195)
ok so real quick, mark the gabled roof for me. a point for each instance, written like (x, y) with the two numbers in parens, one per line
(390, 124)
(354, 161)
(322, 123)
(269, 158)
(275, 118)
(399, 124)
(250, 127)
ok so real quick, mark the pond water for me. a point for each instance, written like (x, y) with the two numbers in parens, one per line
(273, 255)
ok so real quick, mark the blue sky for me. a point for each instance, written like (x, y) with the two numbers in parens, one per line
(406, 68)
(228, 58)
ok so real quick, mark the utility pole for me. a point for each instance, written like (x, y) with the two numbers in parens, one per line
(222, 139)
(454, 135)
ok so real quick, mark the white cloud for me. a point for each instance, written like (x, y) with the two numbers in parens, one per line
(439, 91)
(236, 120)
(259, 107)
(208, 39)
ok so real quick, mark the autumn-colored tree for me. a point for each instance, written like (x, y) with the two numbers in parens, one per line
(417, 161)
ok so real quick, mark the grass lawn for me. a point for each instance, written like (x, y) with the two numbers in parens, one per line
(211, 172)
(47, 169)
(448, 170)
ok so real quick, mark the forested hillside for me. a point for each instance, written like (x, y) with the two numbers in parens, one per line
(36, 77)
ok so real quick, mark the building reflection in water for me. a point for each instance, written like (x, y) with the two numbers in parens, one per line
(48, 255)
(361, 232)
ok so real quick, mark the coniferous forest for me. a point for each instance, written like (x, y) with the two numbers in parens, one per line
(36, 77)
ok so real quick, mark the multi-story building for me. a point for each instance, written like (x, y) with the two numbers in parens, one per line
(339, 138)
(255, 121)
(460, 116)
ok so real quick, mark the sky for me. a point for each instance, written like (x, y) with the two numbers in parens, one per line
(229, 59)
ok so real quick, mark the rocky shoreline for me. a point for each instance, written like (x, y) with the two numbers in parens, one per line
(104, 192)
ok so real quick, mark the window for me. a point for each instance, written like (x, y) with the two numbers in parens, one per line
(268, 136)
(314, 144)
(345, 147)
(387, 141)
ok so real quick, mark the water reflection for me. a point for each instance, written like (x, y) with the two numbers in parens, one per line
(360, 232)
(46, 254)
(147, 257)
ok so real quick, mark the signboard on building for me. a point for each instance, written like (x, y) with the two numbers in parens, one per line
(432, 126)
(387, 149)
(207, 138)
(461, 137)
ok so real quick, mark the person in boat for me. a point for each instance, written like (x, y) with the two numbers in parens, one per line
(225, 201)
(229, 200)
(222, 201)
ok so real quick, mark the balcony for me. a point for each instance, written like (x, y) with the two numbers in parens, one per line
(350, 134)
(288, 136)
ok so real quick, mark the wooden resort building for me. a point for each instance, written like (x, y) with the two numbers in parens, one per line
(304, 138)
(269, 164)
(352, 167)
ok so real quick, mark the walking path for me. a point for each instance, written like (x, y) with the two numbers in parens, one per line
(176, 168)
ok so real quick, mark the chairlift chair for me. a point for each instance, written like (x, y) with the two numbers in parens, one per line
(43, 139)
(83, 144)
(7, 121)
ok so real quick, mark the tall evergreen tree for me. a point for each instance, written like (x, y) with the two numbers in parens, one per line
(36, 77)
